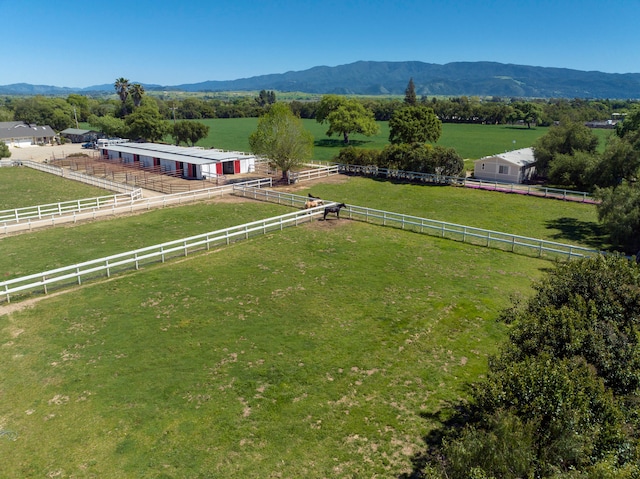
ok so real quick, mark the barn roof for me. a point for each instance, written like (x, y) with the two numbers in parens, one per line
(521, 157)
(193, 155)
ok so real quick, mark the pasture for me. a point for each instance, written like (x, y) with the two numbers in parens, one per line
(20, 187)
(470, 141)
(325, 350)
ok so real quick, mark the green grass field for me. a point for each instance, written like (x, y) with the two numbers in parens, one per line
(317, 351)
(312, 352)
(21, 187)
(470, 141)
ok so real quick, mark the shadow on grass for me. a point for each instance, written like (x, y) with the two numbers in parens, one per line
(584, 232)
(338, 143)
(459, 416)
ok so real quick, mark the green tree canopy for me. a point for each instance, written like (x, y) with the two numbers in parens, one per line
(564, 139)
(109, 125)
(345, 116)
(4, 150)
(185, 131)
(146, 123)
(281, 137)
(414, 124)
(560, 400)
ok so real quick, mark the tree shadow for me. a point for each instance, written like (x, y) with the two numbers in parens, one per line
(574, 230)
(459, 415)
(338, 143)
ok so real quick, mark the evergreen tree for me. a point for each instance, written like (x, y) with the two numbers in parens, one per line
(410, 94)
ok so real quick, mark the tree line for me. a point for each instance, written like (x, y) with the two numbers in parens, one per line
(61, 113)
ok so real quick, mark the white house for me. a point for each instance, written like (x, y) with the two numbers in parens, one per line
(509, 167)
(20, 134)
(192, 162)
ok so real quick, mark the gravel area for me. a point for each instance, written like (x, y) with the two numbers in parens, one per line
(41, 153)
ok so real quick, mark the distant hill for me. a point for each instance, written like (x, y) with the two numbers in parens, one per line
(391, 78)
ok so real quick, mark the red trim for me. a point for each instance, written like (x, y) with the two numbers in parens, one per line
(236, 166)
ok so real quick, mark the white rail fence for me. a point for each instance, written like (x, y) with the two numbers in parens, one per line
(105, 267)
(74, 175)
(466, 234)
(76, 274)
(401, 175)
(21, 219)
(67, 207)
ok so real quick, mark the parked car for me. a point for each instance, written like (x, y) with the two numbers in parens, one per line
(90, 145)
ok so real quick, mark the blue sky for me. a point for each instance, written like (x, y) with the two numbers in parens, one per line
(169, 42)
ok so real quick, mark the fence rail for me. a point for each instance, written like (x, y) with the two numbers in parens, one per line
(67, 207)
(77, 273)
(74, 175)
(466, 234)
(401, 175)
(121, 206)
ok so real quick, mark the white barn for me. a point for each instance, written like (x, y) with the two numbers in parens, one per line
(509, 167)
(194, 162)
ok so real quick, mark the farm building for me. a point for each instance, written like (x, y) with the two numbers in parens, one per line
(20, 134)
(78, 135)
(190, 162)
(509, 167)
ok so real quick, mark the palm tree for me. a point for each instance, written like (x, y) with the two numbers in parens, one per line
(136, 91)
(122, 89)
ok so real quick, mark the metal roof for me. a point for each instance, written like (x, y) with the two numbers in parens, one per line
(521, 157)
(192, 155)
(76, 131)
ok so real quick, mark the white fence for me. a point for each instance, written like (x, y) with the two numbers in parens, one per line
(67, 207)
(77, 273)
(12, 221)
(74, 175)
(401, 175)
(466, 234)
(314, 174)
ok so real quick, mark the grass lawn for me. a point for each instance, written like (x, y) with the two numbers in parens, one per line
(21, 187)
(317, 351)
(312, 352)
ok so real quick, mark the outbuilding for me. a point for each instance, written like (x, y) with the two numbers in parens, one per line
(78, 135)
(188, 162)
(509, 167)
(20, 134)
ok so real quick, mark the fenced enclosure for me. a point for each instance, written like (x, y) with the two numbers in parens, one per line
(466, 234)
(68, 207)
(74, 175)
(105, 267)
(41, 216)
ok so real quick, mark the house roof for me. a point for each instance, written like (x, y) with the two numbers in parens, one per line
(18, 129)
(76, 131)
(193, 155)
(521, 157)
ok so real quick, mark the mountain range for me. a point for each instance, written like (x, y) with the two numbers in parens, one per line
(391, 78)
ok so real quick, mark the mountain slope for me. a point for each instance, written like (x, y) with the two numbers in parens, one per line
(391, 78)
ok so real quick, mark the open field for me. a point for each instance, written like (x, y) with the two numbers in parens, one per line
(313, 352)
(552, 220)
(325, 350)
(470, 141)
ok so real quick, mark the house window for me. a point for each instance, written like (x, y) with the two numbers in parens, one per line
(503, 169)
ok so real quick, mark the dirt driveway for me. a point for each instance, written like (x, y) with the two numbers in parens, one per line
(41, 153)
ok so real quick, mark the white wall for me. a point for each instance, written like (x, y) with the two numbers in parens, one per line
(489, 169)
